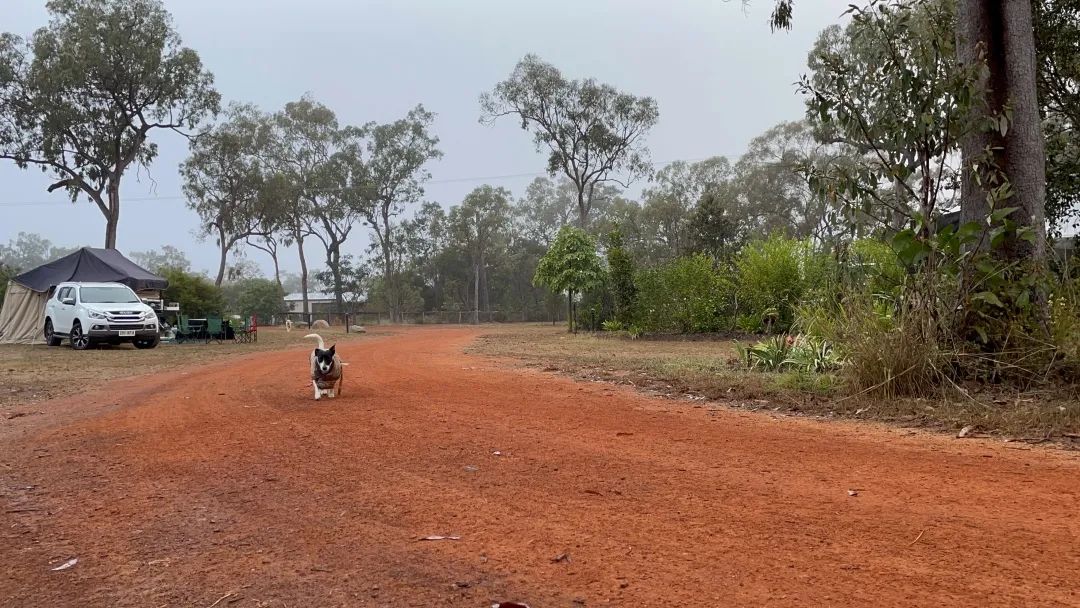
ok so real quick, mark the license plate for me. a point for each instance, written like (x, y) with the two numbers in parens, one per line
(127, 333)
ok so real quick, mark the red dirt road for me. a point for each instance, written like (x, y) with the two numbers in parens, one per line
(229, 484)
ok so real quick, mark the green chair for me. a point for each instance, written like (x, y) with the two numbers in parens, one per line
(214, 329)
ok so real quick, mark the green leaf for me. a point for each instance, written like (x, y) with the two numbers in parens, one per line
(989, 298)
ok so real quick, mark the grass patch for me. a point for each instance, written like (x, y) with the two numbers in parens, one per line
(698, 367)
(29, 374)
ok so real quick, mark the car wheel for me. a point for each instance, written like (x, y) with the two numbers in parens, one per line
(145, 343)
(79, 340)
(50, 335)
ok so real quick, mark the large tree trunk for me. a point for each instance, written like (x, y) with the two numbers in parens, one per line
(333, 260)
(1005, 31)
(224, 254)
(112, 218)
(476, 293)
(303, 275)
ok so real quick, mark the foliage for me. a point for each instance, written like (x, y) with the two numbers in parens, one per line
(621, 278)
(685, 295)
(256, 296)
(196, 294)
(1057, 37)
(773, 277)
(166, 258)
(223, 181)
(891, 57)
(593, 131)
(570, 265)
(804, 354)
(6, 274)
(397, 154)
(81, 98)
(28, 250)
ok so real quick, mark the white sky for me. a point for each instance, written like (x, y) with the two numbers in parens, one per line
(718, 74)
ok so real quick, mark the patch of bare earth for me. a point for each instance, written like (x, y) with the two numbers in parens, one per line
(704, 371)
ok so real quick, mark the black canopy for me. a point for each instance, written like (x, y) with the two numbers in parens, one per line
(91, 265)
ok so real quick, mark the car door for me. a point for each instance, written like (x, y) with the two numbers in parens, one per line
(63, 312)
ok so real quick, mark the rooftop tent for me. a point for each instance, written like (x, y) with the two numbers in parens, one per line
(92, 265)
(22, 317)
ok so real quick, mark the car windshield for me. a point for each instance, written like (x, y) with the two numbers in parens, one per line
(108, 295)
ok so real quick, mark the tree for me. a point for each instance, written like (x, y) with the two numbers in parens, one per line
(81, 98)
(195, 293)
(1057, 37)
(889, 87)
(621, 270)
(571, 266)
(593, 131)
(397, 154)
(254, 296)
(28, 250)
(223, 181)
(999, 41)
(668, 206)
(479, 225)
(166, 258)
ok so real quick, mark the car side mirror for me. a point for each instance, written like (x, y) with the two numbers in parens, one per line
(68, 301)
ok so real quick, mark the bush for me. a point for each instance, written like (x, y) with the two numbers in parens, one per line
(197, 295)
(685, 295)
(774, 277)
(621, 278)
(262, 297)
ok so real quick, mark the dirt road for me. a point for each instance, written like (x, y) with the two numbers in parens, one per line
(228, 486)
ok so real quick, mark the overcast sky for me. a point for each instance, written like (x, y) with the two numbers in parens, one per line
(718, 74)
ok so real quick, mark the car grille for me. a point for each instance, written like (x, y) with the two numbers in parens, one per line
(117, 326)
(124, 317)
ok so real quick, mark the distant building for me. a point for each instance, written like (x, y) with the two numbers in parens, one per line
(323, 302)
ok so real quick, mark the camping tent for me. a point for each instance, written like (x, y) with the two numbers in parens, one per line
(22, 317)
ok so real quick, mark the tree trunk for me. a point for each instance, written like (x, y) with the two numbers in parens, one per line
(476, 293)
(112, 219)
(224, 255)
(303, 274)
(570, 310)
(333, 261)
(1005, 31)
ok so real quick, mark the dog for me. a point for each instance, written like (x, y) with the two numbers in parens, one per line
(288, 324)
(327, 369)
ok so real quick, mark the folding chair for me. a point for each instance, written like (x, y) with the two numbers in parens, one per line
(214, 329)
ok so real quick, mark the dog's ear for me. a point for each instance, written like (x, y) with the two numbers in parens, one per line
(332, 347)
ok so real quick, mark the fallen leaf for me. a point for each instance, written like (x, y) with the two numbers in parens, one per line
(441, 538)
(964, 432)
(852, 492)
(68, 564)
(562, 557)
(509, 605)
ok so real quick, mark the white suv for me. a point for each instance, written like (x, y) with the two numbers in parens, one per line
(89, 313)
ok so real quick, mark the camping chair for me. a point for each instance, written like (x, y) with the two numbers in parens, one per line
(183, 332)
(214, 330)
(247, 332)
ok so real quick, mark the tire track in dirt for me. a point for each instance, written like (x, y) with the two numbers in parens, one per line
(231, 479)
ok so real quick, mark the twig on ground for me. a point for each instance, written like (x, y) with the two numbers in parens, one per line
(219, 600)
(917, 538)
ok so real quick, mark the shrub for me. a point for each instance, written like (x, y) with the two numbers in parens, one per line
(685, 295)
(774, 276)
(262, 297)
(621, 278)
(197, 295)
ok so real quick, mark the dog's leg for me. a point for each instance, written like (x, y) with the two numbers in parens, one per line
(318, 393)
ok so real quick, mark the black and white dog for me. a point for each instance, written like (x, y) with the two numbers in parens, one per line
(327, 369)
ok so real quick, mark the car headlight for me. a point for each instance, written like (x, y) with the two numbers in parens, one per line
(148, 315)
(96, 315)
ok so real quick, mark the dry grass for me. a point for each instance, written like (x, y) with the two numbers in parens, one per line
(30, 374)
(704, 368)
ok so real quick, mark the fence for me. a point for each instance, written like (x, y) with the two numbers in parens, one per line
(437, 317)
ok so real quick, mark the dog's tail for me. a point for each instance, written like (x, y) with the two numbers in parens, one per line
(322, 345)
